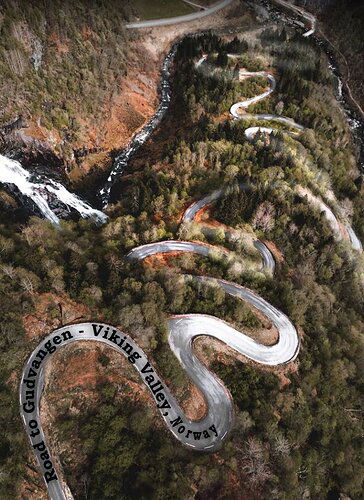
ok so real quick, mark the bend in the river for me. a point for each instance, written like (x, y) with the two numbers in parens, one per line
(209, 433)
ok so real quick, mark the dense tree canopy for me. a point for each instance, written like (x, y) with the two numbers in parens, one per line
(297, 432)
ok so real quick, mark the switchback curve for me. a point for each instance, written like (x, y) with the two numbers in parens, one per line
(206, 434)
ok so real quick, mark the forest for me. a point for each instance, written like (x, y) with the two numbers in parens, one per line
(298, 430)
(335, 16)
(62, 68)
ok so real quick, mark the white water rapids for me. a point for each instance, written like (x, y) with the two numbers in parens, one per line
(11, 172)
(211, 431)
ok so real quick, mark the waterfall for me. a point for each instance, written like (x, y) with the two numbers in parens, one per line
(11, 172)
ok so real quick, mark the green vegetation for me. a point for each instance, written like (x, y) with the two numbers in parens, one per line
(297, 435)
(337, 18)
(61, 62)
(134, 448)
(157, 9)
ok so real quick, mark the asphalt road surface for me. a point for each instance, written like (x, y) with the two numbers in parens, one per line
(172, 246)
(302, 12)
(247, 102)
(273, 118)
(268, 262)
(251, 132)
(180, 19)
(206, 434)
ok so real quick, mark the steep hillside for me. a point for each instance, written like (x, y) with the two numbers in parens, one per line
(342, 21)
(71, 79)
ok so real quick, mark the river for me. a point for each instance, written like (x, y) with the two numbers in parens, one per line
(355, 121)
(211, 431)
(120, 165)
(122, 160)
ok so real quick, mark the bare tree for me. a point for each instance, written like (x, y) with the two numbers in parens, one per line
(264, 216)
(281, 446)
(258, 472)
(6, 245)
(255, 465)
(115, 262)
(27, 284)
(347, 209)
(279, 107)
(254, 449)
(8, 270)
(201, 154)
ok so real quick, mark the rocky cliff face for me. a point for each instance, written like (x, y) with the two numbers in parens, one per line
(72, 81)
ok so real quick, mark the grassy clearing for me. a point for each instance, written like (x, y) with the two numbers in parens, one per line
(155, 9)
(205, 2)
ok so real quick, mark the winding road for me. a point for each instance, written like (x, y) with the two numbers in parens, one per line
(205, 249)
(247, 102)
(209, 433)
(171, 246)
(252, 131)
(302, 12)
(206, 434)
(234, 109)
(340, 230)
(180, 19)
